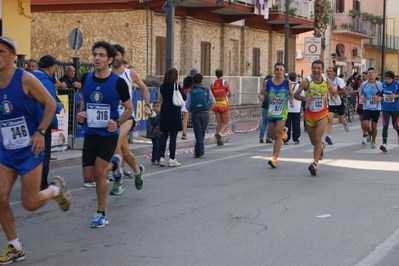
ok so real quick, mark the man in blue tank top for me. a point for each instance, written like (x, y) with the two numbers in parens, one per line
(102, 91)
(22, 145)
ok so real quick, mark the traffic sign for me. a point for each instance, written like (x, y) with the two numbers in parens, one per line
(312, 46)
(311, 58)
(75, 40)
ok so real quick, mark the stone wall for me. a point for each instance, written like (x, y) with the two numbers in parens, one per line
(136, 30)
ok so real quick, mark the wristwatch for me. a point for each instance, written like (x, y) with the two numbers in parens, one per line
(118, 124)
(148, 105)
(41, 131)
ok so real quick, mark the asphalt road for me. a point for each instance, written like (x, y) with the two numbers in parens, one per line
(231, 208)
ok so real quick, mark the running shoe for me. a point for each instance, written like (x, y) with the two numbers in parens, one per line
(373, 146)
(127, 173)
(364, 140)
(138, 179)
(286, 143)
(323, 145)
(383, 147)
(99, 221)
(273, 162)
(174, 163)
(221, 135)
(269, 141)
(118, 172)
(155, 163)
(64, 196)
(369, 137)
(284, 134)
(11, 254)
(117, 189)
(162, 162)
(329, 140)
(313, 168)
(110, 176)
(183, 136)
(89, 184)
(346, 126)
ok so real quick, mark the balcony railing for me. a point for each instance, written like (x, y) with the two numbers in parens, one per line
(298, 8)
(354, 24)
(391, 42)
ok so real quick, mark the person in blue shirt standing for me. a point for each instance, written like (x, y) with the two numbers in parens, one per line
(370, 96)
(389, 107)
(45, 74)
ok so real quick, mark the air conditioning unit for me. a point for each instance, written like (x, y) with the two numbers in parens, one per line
(298, 54)
(355, 52)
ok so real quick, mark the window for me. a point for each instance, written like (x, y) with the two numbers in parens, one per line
(370, 62)
(256, 62)
(280, 56)
(160, 56)
(356, 4)
(206, 58)
(340, 6)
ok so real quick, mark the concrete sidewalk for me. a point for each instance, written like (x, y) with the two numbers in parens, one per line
(141, 146)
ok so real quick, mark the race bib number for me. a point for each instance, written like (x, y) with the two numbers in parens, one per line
(15, 133)
(97, 115)
(316, 105)
(388, 99)
(370, 103)
(275, 108)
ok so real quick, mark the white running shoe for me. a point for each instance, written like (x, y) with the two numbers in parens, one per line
(346, 126)
(174, 163)
(162, 162)
(89, 184)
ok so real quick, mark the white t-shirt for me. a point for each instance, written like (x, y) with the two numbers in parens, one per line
(338, 85)
(297, 104)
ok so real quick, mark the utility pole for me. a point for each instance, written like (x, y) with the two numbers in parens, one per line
(383, 40)
(169, 9)
(286, 30)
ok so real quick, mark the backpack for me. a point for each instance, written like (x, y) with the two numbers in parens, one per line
(199, 101)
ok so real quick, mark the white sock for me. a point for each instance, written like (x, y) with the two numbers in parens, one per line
(15, 243)
(55, 189)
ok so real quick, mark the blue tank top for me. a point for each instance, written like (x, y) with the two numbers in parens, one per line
(18, 118)
(101, 104)
(388, 104)
(278, 99)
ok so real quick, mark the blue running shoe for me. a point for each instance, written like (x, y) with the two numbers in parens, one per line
(99, 221)
(139, 180)
(118, 172)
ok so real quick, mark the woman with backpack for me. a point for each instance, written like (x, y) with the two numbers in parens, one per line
(170, 118)
(221, 91)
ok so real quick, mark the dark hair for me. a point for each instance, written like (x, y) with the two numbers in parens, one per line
(119, 48)
(32, 60)
(370, 68)
(334, 69)
(292, 76)
(268, 77)
(278, 64)
(219, 73)
(354, 73)
(157, 102)
(111, 52)
(318, 62)
(171, 76)
(198, 78)
(188, 82)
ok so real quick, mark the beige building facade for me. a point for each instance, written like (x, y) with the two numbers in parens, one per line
(239, 49)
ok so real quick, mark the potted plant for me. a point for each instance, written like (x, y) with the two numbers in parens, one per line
(354, 13)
